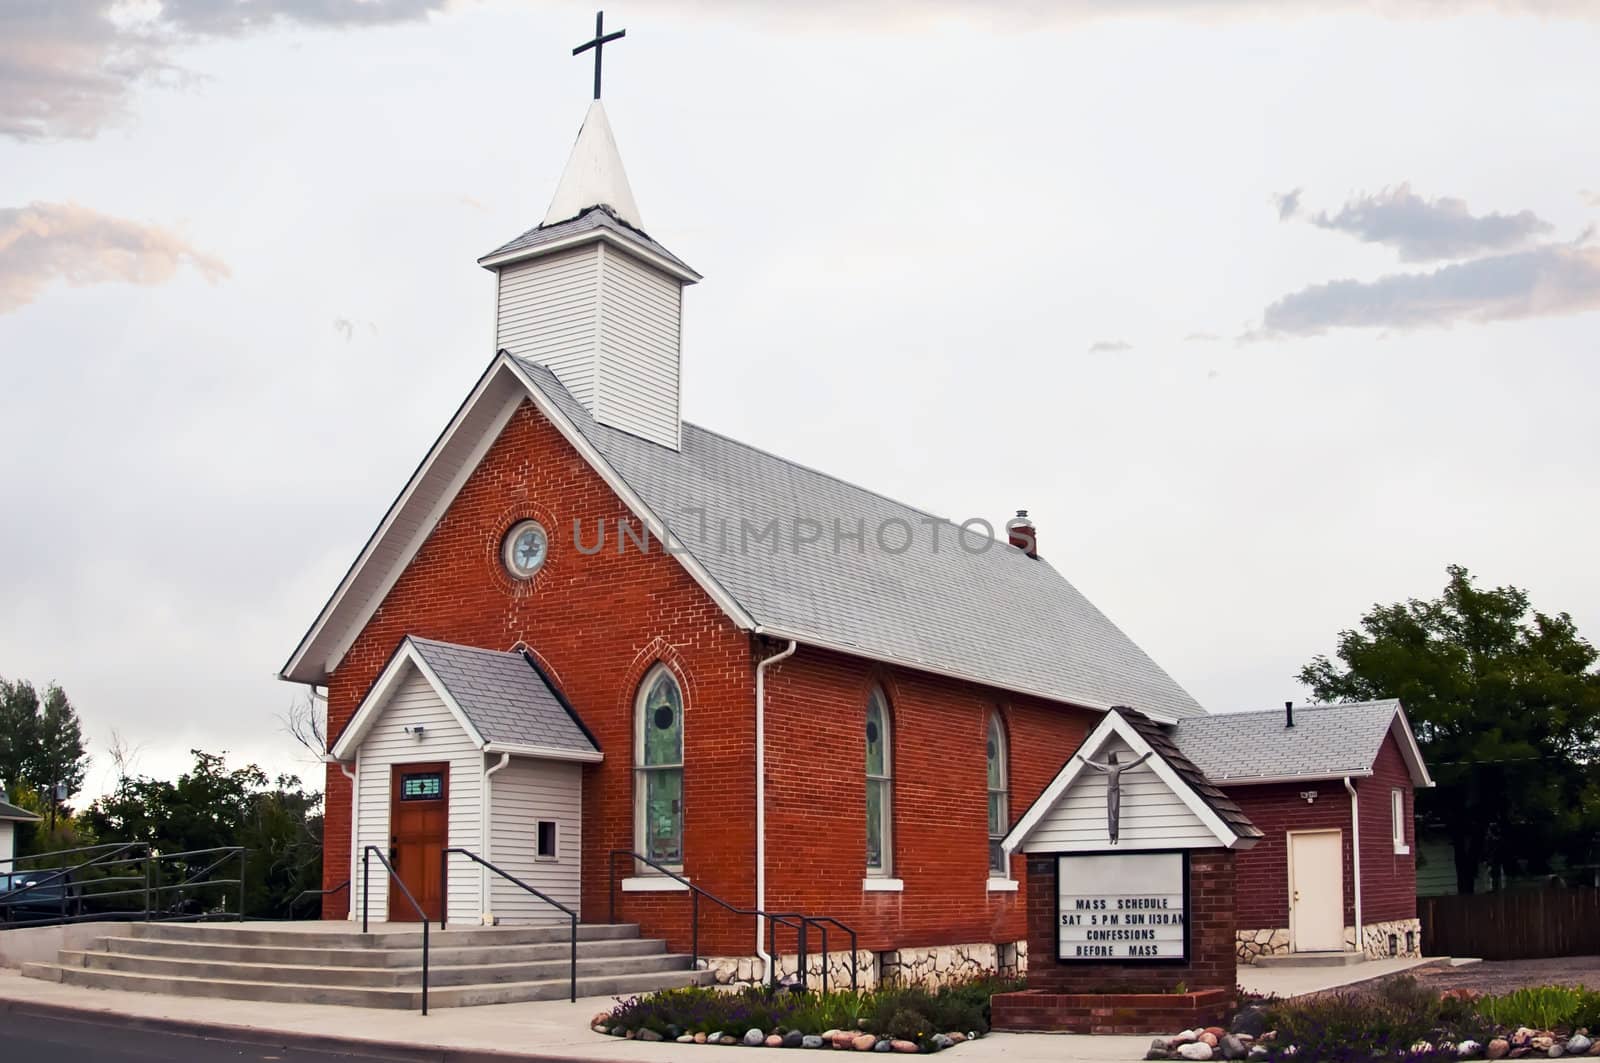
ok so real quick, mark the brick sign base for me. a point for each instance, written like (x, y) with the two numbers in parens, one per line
(1129, 997)
(1127, 1013)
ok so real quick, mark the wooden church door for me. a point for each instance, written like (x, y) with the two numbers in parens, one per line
(419, 827)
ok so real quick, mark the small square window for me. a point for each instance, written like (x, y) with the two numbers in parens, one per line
(547, 839)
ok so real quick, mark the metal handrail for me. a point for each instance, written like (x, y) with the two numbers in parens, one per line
(146, 880)
(62, 852)
(444, 864)
(774, 919)
(366, 879)
(822, 922)
(329, 892)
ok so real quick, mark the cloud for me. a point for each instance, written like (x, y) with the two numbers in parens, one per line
(1202, 337)
(1553, 280)
(345, 327)
(1426, 230)
(1109, 346)
(67, 66)
(1591, 198)
(1288, 204)
(43, 242)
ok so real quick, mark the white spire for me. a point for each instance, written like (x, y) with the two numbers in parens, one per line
(594, 175)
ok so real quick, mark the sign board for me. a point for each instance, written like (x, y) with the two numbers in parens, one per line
(1122, 907)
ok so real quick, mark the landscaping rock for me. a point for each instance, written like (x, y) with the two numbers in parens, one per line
(1498, 1048)
(1214, 1031)
(864, 1043)
(1594, 1049)
(729, 1039)
(1257, 1053)
(1518, 1052)
(907, 1047)
(941, 1042)
(1556, 1051)
(844, 1039)
(793, 1039)
(630, 1034)
(1195, 1050)
(600, 1029)
(1252, 1021)
(883, 1045)
(1160, 1044)
(811, 1040)
(1183, 1037)
(714, 1037)
(1232, 1047)
(773, 1041)
(650, 1035)
(1208, 1038)
(754, 1037)
(957, 1036)
(1468, 1049)
(1578, 1044)
(1541, 1042)
(600, 1018)
(829, 1035)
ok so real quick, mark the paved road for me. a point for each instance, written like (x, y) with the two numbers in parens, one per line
(30, 1039)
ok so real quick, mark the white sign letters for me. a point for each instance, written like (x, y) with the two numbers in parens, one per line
(1121, 908)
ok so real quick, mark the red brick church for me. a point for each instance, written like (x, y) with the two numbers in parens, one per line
(585, 628)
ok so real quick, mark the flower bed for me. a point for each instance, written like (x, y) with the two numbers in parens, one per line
(905, 1020)
(1399, 1019)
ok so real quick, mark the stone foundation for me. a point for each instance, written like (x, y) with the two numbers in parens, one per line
(931, 966)
(1376, 938)
(1250, 944)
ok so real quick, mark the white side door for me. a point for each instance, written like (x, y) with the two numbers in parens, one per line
(1316, 891)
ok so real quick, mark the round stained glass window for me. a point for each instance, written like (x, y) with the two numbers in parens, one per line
(663, 717)
(525, 549)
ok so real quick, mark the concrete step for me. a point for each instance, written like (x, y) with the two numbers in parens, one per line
(292, 953)
(407, 998)
(369, 977)
(1311, 959)
(313, 936)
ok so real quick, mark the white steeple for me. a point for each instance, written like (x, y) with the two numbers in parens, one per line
(594, 176)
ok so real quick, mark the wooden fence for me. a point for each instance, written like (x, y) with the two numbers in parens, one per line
(1513, 924)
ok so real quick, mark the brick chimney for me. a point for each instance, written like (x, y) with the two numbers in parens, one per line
(1020, 532)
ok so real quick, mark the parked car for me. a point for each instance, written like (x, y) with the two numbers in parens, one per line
(36, 896)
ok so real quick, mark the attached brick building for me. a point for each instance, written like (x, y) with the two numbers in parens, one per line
(613, 652)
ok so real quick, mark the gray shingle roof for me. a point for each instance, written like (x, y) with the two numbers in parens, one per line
(590, 220)
(1326, 740)
(997, 617)
(1160, 739)
(505, 696)
(8, 811)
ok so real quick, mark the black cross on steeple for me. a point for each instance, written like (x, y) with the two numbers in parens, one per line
(598, 44)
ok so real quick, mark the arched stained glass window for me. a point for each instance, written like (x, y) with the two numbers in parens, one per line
(658, 769)
(999, 793)
(880, 787)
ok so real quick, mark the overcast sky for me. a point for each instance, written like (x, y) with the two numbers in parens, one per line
(1265, 316)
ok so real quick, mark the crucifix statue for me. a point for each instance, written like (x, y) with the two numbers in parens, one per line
(601, 37)
(1113, 773)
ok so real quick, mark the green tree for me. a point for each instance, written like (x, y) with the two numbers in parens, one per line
(41, 744)
(210, 807)
(1505, 701)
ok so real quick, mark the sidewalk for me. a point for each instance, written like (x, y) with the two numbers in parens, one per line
(1292, 981)
(542, 1030)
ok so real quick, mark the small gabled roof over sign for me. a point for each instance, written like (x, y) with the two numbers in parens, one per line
(11, 813)
(502, 699)
(1166, 802)
(1326, 742)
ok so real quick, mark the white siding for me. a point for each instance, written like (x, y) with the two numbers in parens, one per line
(524, 792)
(1153, 817)
(414, 702)
(549, 313)
(641, 313)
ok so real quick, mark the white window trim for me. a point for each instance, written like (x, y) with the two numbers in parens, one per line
(876, 884)
(1001, 885)
(653, 884)
(640, 836)
(555, 831)
(1397, 821)
(886, 872)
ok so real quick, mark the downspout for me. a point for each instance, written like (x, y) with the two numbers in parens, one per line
(761, 800)
(1355, 863)
(355, 823)
(486, 840)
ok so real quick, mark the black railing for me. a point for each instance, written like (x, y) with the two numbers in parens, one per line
(792, 920)
(329, 892)
(53, 895)
(366, 880)
(444, 868)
